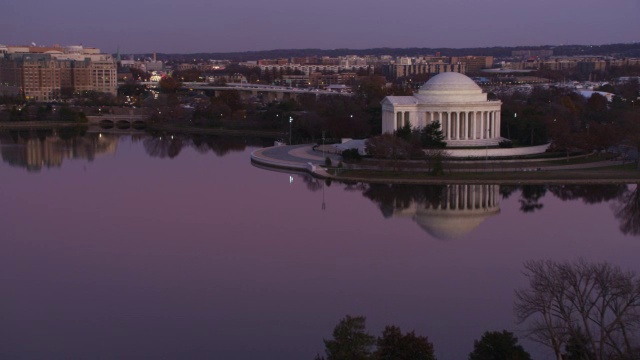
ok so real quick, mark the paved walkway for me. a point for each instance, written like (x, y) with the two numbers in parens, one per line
(294, 157)
(295, 153)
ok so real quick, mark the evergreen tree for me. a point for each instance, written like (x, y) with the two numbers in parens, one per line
(495, 345)
(432, 137)
(393, 345)
(350, 340)
(404, 132)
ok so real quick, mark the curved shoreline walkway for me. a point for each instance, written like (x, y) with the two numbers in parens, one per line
(293, 157)
(304, 158)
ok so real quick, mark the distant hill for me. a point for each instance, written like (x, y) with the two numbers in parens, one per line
(626, 50)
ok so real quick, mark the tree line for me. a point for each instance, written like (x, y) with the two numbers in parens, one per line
(351, 341)
(580, 310)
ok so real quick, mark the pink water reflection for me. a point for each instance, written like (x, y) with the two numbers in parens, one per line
(201, 256)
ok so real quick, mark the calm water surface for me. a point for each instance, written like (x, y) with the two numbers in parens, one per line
(152, 247)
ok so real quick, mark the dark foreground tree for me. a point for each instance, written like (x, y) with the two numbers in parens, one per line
(393, 345)
(597, 303)
(495, 345)
(350, 340)
(577, 348)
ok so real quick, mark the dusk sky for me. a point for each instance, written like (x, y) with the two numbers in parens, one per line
(190, 26)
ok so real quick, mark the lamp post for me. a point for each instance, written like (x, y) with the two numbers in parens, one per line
(290, 122)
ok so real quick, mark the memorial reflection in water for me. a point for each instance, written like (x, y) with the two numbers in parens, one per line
(453, 211)
(463, 209)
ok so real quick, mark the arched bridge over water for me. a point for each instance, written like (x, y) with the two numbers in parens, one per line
(119, 121)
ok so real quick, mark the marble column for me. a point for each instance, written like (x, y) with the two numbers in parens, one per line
(493, 124)
(445, 125)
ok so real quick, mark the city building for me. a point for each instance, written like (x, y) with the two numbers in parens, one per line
(407, 66)
(474, 63)
(467, 118)
(395, 71)
(44, 73)
(227, 78)
(295, 80)
(320, 80)
(308, 69)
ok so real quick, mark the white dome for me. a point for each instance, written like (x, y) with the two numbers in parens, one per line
(451, 87)
(451, 81)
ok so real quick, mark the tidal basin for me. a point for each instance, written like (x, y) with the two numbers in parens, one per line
(140, 246)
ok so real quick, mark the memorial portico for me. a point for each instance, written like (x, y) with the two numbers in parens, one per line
(466, 117)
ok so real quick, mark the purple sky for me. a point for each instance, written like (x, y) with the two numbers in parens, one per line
(229, 25)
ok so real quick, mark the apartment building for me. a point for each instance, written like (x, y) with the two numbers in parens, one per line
(40, 73)
(401, 70)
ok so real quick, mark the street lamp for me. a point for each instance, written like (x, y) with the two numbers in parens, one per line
(290, 122)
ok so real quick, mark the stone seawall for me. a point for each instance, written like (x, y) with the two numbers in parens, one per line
(482, 153)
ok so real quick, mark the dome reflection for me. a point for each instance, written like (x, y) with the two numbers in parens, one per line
(445, 212)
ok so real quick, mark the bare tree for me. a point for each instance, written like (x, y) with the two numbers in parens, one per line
(628, 211)
(595, 303)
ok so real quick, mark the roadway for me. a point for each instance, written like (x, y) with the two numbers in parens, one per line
(254, 88)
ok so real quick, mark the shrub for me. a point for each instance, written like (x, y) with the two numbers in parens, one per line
(505, 144)
(351, 155)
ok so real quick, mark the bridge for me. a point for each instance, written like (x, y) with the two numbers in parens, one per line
(119, 121)
(272, 92)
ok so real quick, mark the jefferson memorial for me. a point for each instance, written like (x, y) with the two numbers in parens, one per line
(467, 118)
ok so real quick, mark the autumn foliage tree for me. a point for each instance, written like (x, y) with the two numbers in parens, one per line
(169, 84)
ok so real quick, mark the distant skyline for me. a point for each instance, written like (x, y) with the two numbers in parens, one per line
(193, 26)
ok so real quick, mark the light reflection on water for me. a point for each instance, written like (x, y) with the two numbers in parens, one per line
(157, 247)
